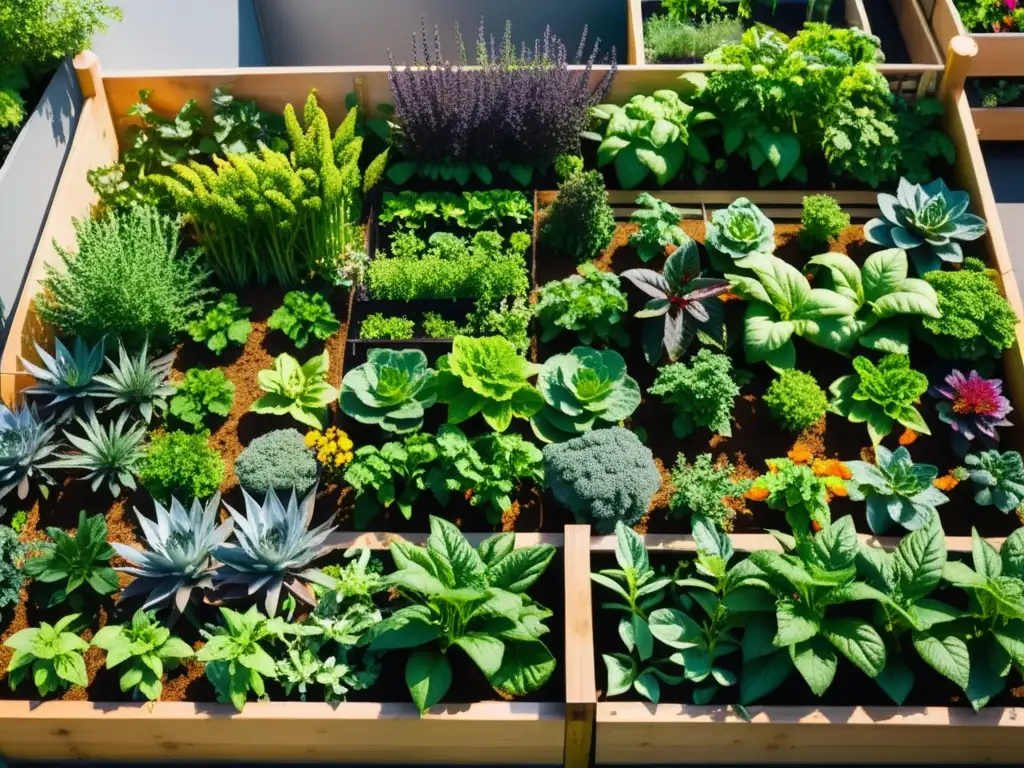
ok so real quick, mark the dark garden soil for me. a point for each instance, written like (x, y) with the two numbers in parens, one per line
(850, 687)
(756, 437)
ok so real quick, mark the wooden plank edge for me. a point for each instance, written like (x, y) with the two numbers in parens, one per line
(857, 16)
(998, 123)
(636, 50)
(580, 671)
(750, 542)
(916, 32)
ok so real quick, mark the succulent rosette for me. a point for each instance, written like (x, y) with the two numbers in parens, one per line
(973, 407)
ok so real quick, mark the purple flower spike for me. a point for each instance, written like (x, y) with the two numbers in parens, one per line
(972, 406)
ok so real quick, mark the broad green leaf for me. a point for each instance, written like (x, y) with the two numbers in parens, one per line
(897, 679)
(986, 559)
(621, 673)
(858, 641)
(946, 653)
(642, 637)
(763, 676)
(796, 623)
(785, 285)
(630, 553)
(961, 574)
(450, 546)
(919, 561)
(428, 674)
(407, 628)
(486, 652)
(520, 570)
(494, 548)
(764, 332)
(1011, 638)
(883, 272)
(816, 662)
(845, 274)
(647, 685)
(525, 667)
(1012, 554)
(990, 666)
(759, 638)
(674, 628)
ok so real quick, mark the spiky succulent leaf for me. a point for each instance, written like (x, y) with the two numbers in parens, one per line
(66, 375)
(136, 382)
(72, 561)
(392, 389)
(25, 442)
(109, 455)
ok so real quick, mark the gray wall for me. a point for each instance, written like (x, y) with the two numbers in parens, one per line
(28, 179)
(351, 32)
(182, 34)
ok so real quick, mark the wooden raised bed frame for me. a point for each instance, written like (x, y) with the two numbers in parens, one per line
(1000, 54)
(496, 732)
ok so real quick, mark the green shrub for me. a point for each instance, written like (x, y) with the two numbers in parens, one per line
(201, 393)
(666, 38)
(182, 465)
(976, 320)
(603, 477)
(377, 326)
(11, 553)
(822, 219)
(436, 327)
(702, 393)
(302, 315)
(590, 304)
(224, 323)
(795, 400)
(881, 394)
(280, 460)
(704, 488)
(126, 280)
(580, 223)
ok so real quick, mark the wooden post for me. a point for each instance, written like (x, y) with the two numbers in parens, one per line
(958, 64)
(636, 53)
(90, 77)
(580, 684)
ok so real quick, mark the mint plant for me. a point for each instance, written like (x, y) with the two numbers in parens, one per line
(143, 650)
(659, 227)
(203, 392)
(304, 315)
(51, 654)
(224, 323)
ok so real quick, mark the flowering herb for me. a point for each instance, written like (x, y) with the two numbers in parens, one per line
(973, 407)
(333, 449)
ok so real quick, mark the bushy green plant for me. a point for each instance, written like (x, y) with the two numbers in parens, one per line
(299, 391)
(19, 520)
(680, 300)
(470, 209)
(278, 460)
(302, 315)
(668, 40)
(203, 392)
(380, 326)
(473, 599)
(25, 443)
(51, 654)
(137, 382)
(395, 473)
(181, 465)
(235, 655)
(392, 389)
(590, 304)
(927, 221)
(583, 390)
(579, 223)
(659, 227)
(702, 393)
(223, 324)
(511, 319)
(603, 476)
(896, 490)
(68, 375)
(155, 295)
(799, 491)
(881, 395)
(34, 35)
(999, 478)
(976, 321)
(489, 377)
(436, 327)
(12, 552)
(110, 455)
(145, 648)
(491, 467)
(821, 220)
(69, 562)
(795, 400)
(738, 232)
(706, 488)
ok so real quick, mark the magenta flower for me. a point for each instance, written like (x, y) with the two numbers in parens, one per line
(1011, 4)
(972, 406)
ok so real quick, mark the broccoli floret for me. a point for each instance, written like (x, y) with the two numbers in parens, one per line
(603, 476)
(279, 460)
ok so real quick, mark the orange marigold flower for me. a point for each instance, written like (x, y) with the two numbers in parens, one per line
(946, 483)
(908, 437)
(831, 468)
(729, 296)
(837, 490)
(815, 526)
(757, 493)
(800, 454)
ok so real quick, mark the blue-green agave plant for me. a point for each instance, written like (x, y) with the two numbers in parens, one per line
(66, 376)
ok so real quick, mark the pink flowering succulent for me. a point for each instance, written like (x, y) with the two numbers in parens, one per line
(973, 406)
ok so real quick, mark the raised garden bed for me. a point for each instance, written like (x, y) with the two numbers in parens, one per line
(999, 53)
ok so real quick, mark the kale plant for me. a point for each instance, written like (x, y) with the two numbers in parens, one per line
(590, 304)
(738, 232)
(702, 393)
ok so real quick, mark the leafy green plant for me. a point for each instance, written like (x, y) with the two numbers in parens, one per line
(811, 583)
(927, 221)
(159, 289)
(738, 232)
(579, 223)
(469, 209)
(379, 326)
(881, 395)
(677, 293)
(590, 304)
(52, 655)
(821, 220)
(976, 320)
(795, 400)
(487, 376)
(490, 467)
(25, 443)
(702, 393)
(655, 135)
(280, 460)
(109, 455)
(583, 390)
(659, 227)
(136, 382)
(437, 327)
(302, 315)
(801, 492)
(224, 323)
(12, 553)
(1002, 93)
(706, 488)
(72, 561)
(896, 490)
(178, 561)
(145, 648)
(203, 392)
(19, 520)
(181, 464)
(473, 599)
(396, 473)
(299, 391)
(667, 40)
(602, 477)
(68, 375)
(781, 304)
(392, 389)
(886, 301)
(999, 478)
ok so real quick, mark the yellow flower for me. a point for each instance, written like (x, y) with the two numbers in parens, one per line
(312, 438)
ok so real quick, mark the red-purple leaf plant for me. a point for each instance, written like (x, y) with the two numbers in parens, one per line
(679, 302)
(973, 407)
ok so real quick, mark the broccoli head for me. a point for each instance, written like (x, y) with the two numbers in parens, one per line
(279, 460)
